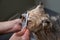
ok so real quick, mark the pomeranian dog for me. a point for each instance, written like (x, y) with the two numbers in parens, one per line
(41, 25)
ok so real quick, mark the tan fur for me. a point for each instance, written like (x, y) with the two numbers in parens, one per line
(36, 24)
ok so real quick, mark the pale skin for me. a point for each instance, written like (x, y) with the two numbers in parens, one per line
(14, 26)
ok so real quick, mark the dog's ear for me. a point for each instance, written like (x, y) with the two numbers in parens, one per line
(41, 4)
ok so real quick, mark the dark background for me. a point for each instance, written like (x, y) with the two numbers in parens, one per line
(9, 7)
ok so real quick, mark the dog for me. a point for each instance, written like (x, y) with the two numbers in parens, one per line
(42, 25)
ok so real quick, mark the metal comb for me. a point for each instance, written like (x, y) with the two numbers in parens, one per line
(24, 23)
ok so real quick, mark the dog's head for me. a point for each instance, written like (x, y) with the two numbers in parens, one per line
(37, 19)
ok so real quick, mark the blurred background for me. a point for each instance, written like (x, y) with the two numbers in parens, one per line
(8, 8)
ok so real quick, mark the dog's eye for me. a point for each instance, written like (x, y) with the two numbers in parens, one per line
(45, 22)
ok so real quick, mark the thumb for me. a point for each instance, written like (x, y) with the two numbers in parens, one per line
(26, 35)
(20, 33)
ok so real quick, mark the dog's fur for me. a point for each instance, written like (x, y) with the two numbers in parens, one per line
(41, 24)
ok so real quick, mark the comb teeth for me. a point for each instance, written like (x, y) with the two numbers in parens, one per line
(24, 23)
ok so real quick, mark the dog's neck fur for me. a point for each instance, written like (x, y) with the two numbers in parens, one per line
(45, 35)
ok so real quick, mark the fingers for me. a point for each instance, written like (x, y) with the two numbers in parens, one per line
(17, 20)
(26, 35)
(16, 28)
(10, 26)
(21, 32)
(22, 35)
(17, 25)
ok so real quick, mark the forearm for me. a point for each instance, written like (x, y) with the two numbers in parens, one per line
(5, 26)
(10, 26)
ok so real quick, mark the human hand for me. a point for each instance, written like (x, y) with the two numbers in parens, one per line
(10, 26)
(21, 35)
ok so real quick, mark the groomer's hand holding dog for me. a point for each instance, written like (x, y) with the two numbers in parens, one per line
(14, 26)
(10, 26)
(21, 35)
